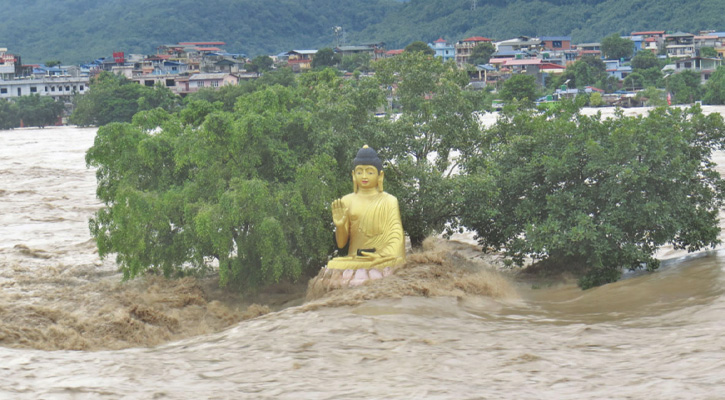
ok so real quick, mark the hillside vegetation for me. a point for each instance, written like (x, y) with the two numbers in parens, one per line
(79, 30)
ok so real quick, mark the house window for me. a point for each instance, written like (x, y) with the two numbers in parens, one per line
(3, 91)
(170, 82)
(33, 89)
(556, 43)
(52, 88)
(688, 65)
(148, 83)
(200, 84)
(46, 88)
(67, 88)
(82, 88)
(215, 84)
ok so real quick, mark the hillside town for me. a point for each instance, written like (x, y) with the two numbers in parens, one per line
(187, 67)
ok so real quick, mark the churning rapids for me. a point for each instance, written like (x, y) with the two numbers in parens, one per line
(70, 329)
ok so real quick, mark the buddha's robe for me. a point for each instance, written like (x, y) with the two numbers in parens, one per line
(374, 225)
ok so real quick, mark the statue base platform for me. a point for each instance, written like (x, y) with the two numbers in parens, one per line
(329, 279)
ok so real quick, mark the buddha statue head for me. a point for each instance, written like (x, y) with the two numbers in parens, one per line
(367, 172)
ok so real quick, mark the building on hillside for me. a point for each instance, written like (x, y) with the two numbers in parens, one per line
(556, 43)
(464, 47)
(701, 65)
(10, 65)
(650, 40)
(707, 41)
(536, 67)
(393, 53)
(374, 50)
(560, 57)
(300, 60)
(589, 49)
(680, 45)
(212, 80)
(17, 80)
(443, 50)
(170, 81)
(57, 87)
(521, 43)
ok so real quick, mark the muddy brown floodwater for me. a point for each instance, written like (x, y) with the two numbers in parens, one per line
(448, 326)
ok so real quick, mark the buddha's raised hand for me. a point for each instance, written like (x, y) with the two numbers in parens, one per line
(339, 213)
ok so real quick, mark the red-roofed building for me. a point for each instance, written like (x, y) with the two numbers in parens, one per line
(393, 53)
(202, 43)
(465, 46)
(477, 39)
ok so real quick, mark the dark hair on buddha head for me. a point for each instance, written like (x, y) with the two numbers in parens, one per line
(367, 156)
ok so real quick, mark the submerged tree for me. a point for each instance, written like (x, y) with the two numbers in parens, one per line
(37, 110)
(597, 194)
(9, 117)
(248, 189)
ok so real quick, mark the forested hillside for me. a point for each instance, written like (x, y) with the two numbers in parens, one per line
(79, 30)
(583, 20)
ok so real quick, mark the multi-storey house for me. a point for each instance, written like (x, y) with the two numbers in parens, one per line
(464, 47)
(443, 50)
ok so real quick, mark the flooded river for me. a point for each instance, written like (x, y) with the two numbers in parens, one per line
(69, 329)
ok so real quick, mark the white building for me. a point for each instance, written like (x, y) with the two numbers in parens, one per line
(58, 87)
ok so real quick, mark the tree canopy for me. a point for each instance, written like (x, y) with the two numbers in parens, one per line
(420, 47)
(616, 47)
(325, 57)
(597, 194)
(715, 87)
(37, 110)
(482, 53)
(114, 98)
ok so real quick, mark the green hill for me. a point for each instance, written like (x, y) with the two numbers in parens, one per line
(80, 30)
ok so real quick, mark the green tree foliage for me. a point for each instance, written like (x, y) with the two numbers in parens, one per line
(114, 98)
(36, 110)
(685, 87)
(633, 81)
(586, 72)
(615, 47)
(644, 60)
(426, 140)
(521, 87)
(595, 100)
(715, 88)
(598, 194)
(9, 117)
(248, 188)
(52, 63)
(482, 53)
(262, 63)
(358, 61)
(653, 97)
(652, 76)
(420, 47)
(325, 57)
(708, 52)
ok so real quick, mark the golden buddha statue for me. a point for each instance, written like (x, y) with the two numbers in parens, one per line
(368, 220)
